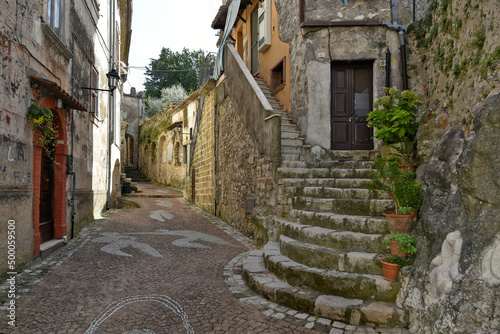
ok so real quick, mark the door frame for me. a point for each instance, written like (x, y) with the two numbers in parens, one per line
(59, 184)
(352, 118)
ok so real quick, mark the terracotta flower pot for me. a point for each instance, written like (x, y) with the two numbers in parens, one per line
(395, 250)
(390, 271)
(399, 223)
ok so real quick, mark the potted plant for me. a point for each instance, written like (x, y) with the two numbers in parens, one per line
(394, 118)
(402, 244)
(393, 262)
(403, 189)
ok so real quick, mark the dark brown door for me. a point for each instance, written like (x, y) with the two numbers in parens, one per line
(352, 100)
(255, 41)
(47, 199)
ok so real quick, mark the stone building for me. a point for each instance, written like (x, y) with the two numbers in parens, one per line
(52, 183)
(132, 115)
(165, 143)
(281, 151)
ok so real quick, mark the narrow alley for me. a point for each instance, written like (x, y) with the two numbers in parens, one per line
(165, 267)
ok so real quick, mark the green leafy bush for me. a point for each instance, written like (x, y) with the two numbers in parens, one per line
(394, 116)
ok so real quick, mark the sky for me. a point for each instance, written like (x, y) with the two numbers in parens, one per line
(171, 24)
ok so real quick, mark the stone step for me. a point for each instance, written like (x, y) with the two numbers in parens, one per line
(325, 182)
(332, 164)
(333, 192)
(331, 282)
(369, 155)
(295, 149)
(292, 141)
(331, 259)
(348, 310)
(358, 207)
(337, 239)
(298, 157)
(290, 134)
(362, 224)
(315, 173)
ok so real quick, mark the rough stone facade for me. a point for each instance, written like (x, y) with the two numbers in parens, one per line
(454, 65)
(45, 65)
(244, 177)
(320, 42)
(132, 114)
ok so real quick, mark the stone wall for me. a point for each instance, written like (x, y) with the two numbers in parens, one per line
(454, 287)
(244, 177)
(203, 164)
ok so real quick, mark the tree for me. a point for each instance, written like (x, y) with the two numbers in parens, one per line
(168, 95)
(173, 68)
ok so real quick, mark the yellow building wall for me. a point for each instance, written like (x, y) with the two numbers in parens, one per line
(269, 58)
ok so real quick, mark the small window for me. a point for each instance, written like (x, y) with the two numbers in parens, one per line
(54, 16)
(278, 77)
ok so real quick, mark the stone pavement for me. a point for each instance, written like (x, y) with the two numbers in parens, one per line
(166, 267)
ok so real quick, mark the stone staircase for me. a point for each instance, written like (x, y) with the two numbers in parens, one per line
(325, 256)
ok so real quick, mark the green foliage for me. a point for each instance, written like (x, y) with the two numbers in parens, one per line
(172, 68)
(394, 116)
(479, 38)
(169, 95)
(154, 130)
(407, 241)
(407, 245)
(400, 183)
(41, 119)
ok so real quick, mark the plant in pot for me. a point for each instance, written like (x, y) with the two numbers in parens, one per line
(403, 189)
(402, 244)
(394, 118)
(400, 258)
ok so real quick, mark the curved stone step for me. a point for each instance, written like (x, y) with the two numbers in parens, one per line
(346, 240)
(331, 259)
(344, 193)
(331, 282)
(298, 157)
(344, 164)
(295, 149)
(334, 221)
(348, 310)
(353, 173)
(359, 207)
(325, 182)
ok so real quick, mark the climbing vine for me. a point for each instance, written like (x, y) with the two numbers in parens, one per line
(42, 119)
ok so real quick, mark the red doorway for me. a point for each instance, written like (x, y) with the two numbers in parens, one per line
(49, 196)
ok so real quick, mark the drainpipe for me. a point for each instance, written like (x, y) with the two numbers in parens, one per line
(73, 173)
(110, 102)
(402, 37)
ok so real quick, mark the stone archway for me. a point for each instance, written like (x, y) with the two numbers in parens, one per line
(58, 182)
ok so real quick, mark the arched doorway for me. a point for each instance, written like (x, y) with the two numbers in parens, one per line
(49, 182)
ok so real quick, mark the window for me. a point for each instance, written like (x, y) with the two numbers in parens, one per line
(54, 16)
(278, 77)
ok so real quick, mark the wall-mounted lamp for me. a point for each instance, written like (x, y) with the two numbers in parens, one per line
(113, 79)
(179, 131)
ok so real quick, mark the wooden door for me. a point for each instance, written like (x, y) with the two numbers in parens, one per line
(352, 100)
(254, 36)
(47, 199)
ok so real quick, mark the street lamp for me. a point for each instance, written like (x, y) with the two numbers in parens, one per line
(113, 78)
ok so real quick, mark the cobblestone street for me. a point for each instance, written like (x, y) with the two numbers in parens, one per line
(156, 269)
